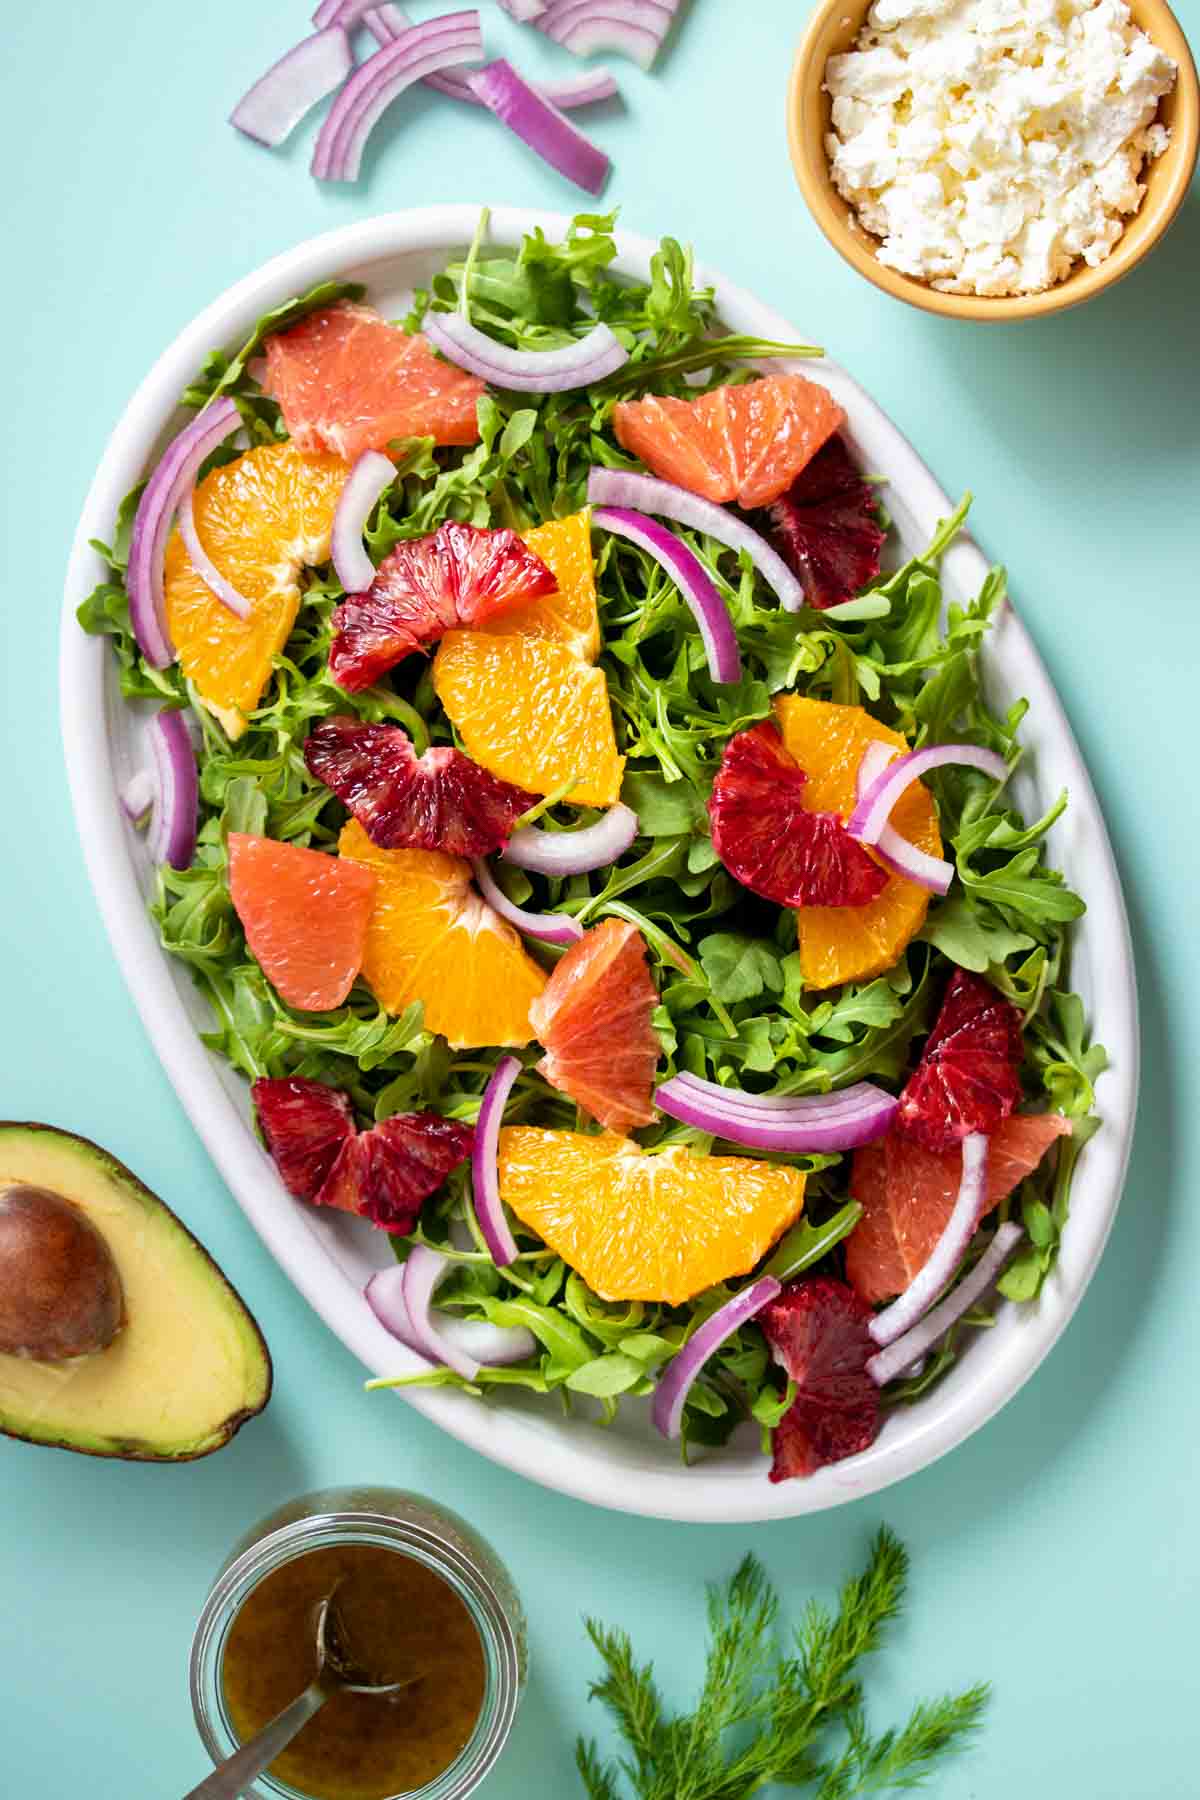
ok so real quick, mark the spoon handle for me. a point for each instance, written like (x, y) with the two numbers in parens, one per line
(236, 1773)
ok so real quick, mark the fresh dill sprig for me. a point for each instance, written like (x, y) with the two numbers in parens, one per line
(764, 1716)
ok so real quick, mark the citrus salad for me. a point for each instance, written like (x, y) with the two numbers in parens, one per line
(596, 853)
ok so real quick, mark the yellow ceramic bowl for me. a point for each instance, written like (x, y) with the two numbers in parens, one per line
(834, 27)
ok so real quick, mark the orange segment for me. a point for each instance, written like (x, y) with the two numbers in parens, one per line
(261, 518)
(639, 1226)
(432, 938)
(846, 943)
(745, 443)
(571, 615)
(305, 917)
(531, 712)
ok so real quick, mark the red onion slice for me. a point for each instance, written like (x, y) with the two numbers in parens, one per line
(915, 1344)
(823, 1126)
(674, 1384)
(484, 1344)
(870, 815)
(540, 125)
(894, 851)
(172, 836)
(847, 1099)
(367, 481)
(454, 38)
(690, 577)
(216, 583)
(485, 1170)
(423, 1274)
(386, 23)
(645, 493)
(573, 852)
(947, 1253)
(137, 796)
(270, 110)
(575, 365)
(635, 28)
(550, 928)
(161, 497)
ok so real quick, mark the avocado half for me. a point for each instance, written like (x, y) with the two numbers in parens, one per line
(188, 1365)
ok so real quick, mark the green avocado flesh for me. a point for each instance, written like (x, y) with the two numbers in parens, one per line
(189, 1365)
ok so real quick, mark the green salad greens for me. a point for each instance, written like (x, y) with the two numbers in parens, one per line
(733, 1004)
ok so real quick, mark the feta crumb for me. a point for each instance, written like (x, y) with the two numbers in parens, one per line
(992, 143)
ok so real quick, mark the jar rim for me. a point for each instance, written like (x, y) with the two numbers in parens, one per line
(503, 1673)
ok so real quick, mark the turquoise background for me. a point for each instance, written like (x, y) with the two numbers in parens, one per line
(1056, 1553)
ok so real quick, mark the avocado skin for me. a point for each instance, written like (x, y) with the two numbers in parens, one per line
(102, 1164)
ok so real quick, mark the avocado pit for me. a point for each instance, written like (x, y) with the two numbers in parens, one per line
(60, 1290)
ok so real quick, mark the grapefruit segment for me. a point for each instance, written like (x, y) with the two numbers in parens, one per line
(745, 443)
(594, 1022)
(305, 917)
(841, 943)
(432, 938)
(347, 381)
(262, 519)
(639, 1226)
(907, 1194)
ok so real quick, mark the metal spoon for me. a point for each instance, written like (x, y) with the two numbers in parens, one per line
(336, 1673)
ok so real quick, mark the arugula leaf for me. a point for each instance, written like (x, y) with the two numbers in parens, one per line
(740, 967)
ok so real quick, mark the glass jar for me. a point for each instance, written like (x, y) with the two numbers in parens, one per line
(392, 1520)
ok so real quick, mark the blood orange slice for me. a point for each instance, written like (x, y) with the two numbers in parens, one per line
(772, 841)
(846, 943)
(968, 1078)
(305, 1124)
(594, 1022)
(817, 1330)
(439, 801)
(461, 575)
(826, 529)
(347, 381)
(907, 1194)
(745, 443)
(305, 916)
(385, 1174)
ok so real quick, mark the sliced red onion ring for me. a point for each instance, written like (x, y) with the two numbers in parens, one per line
(270, 110)
(947, 1253)
(915, 1344)
(550, 928)
(674, 1384)
(847, 1099)
(370, 477)
(172, 836)
(216, 583)
(828, 1121)
(423, 1274)
(482, 1343)
(160, 499)
(453, 39)
(894, 851)
(137, 796)
(690, 577)
(573, 852)
(618, 487)
(386, 23)
(635, 28)
(575, 365)
(326, 13)
(540, 124)
(870, 815)
(485, 1170)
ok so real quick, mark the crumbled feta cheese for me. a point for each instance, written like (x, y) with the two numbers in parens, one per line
(992, 143)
